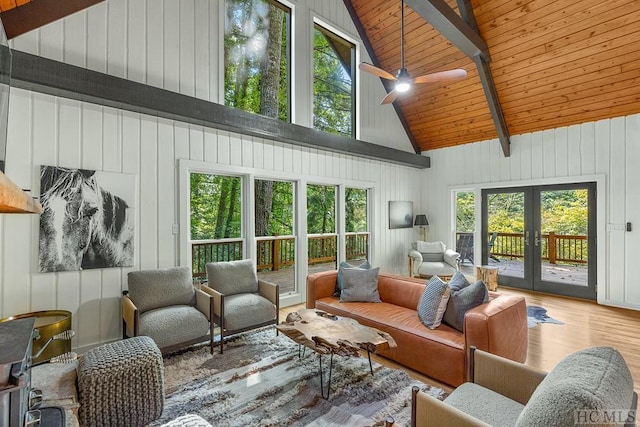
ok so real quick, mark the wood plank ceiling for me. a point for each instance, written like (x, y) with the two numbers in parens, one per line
(554, 63)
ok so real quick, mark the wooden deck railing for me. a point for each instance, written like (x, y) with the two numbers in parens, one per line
(555, 247)
(278, 252)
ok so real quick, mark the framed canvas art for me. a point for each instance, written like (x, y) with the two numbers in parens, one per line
(400, 214)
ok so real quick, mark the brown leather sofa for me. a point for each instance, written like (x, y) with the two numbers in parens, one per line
(498, 326)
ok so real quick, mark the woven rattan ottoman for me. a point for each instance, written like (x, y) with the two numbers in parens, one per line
(121, 383)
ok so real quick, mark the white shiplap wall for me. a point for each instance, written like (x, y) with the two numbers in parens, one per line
(606, 150)
(170, 44)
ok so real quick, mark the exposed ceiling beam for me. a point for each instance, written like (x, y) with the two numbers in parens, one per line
(56, 78)
(486, 78)
(448, 23)
(374, 59)
(35, 14)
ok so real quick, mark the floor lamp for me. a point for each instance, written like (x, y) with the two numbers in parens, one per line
(421, 220)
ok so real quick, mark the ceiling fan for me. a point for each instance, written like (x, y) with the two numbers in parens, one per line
(402, 78)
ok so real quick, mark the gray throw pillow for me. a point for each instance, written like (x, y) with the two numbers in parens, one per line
(462, 301)
(233, 277)
(360, 285)
(343, 266)
(458, 281)
(433, 302)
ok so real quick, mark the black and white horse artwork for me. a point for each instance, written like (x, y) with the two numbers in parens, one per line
(82, 224)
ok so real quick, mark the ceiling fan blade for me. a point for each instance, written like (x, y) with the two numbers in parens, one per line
(372, 69)
(458, 73)
(391, 96)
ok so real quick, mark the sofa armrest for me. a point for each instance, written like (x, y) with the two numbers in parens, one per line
(415, 255)
(430, 411)
(320, 285)
(451, 257)
(204, 301)
(499, 327)
(511, 379)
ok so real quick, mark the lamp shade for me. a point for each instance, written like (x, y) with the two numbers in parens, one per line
(421, 220)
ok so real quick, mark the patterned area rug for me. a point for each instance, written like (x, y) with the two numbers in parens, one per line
(537, 315)
(261, 381)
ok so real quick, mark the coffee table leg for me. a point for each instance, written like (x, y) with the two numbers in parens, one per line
(370, 366)
(321, 376)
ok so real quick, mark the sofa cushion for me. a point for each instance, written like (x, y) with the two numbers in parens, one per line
(360, 285)
(462, 301)
(595, 378)
(343, 266)
(233, 277)
(433, 302)
(150, 289)
(485, 405)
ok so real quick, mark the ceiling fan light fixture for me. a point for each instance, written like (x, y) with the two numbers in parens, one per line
(403, 86)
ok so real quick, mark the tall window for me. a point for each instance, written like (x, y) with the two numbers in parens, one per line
(333, 83)
(321, 227)
(256, 57)
(216, 225)
(356, 225)
(275, 238)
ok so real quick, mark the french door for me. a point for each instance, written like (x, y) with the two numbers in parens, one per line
(542, 238)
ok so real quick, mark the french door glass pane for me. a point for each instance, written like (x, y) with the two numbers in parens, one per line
(564, 236)
(275, 238)
(505, 214)
(465, 226)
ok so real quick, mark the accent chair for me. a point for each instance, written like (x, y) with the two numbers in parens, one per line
(241, 301)
(165, 305)
(428, 259)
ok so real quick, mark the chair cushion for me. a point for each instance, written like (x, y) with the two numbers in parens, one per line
(485, 405)
(360, 285)
(595, 378)
(343, 266)
(173, 325)
(233, 277)
(430, 247)
(245, 310)
(436, 269)
(462, 301)
(150, 289)
(433, 302)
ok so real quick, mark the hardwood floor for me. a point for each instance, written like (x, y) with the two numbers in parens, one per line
(586, 324)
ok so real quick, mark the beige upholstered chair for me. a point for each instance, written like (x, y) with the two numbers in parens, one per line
(428, 259)
(240, 301)
(164, 305)
(594, 382)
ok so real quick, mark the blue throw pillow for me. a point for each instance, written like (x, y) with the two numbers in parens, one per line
(345, 265)
(458, 281)
(433, 302)
(462, 301)
(360, 285)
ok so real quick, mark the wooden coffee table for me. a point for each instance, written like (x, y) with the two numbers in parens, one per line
(328, 334)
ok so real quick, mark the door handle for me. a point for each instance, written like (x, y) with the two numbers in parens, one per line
(526, 238)
(537, 238)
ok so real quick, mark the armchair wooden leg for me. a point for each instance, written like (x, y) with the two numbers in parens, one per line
(221, 339)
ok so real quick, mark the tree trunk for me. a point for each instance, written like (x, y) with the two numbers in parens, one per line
(270, 82)
(264, 204)
(235, 187)
(222, 210)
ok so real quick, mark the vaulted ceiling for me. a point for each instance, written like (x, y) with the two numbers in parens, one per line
(554, 63)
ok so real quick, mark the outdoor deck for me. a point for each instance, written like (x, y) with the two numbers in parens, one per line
(575, 275)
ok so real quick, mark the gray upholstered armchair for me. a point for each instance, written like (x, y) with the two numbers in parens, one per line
(428, 259)
(240, 301)
(164, 305)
